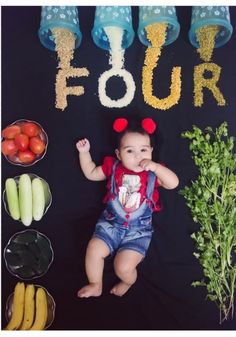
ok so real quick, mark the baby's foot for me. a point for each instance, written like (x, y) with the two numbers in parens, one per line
(92, 289)
(120, 289)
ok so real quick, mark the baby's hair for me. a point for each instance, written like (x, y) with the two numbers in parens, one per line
(134, 126)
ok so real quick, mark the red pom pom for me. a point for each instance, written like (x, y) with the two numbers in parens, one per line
(149, 125)
(120, 124)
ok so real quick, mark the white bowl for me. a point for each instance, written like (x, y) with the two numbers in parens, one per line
(51, 307)
(28, 254)
(42, 135)
(32, 176)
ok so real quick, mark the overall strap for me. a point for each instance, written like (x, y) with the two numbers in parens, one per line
(113, 183)
(151, 184)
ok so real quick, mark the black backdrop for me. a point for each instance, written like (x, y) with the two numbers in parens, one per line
(162, 298)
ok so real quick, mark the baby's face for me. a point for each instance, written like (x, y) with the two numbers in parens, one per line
(134, 147)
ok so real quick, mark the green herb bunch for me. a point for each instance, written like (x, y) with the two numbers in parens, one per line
(212, 201)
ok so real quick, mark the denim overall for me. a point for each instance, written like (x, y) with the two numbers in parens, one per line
(121, 230)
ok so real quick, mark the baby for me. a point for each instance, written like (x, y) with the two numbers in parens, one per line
(125, 226)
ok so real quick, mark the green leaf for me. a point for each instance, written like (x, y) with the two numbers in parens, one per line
(212, 201)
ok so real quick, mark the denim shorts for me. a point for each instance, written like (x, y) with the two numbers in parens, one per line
(136, 236)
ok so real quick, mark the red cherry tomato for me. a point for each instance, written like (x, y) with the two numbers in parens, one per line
(30, 129)
(36, 145)
(26, 156)
(9, 147)
(11, 131)
(22, 142)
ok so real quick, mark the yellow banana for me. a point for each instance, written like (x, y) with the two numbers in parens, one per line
(29, 308)
(17, 307)
(41, 310)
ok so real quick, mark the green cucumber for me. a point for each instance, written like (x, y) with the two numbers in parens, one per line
(25, 199)
(12, 198)
(38, 198)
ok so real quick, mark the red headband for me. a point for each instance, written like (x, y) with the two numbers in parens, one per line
(148, 124)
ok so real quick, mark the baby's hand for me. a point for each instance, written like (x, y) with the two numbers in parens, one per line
(148, 165)
(83, 145)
